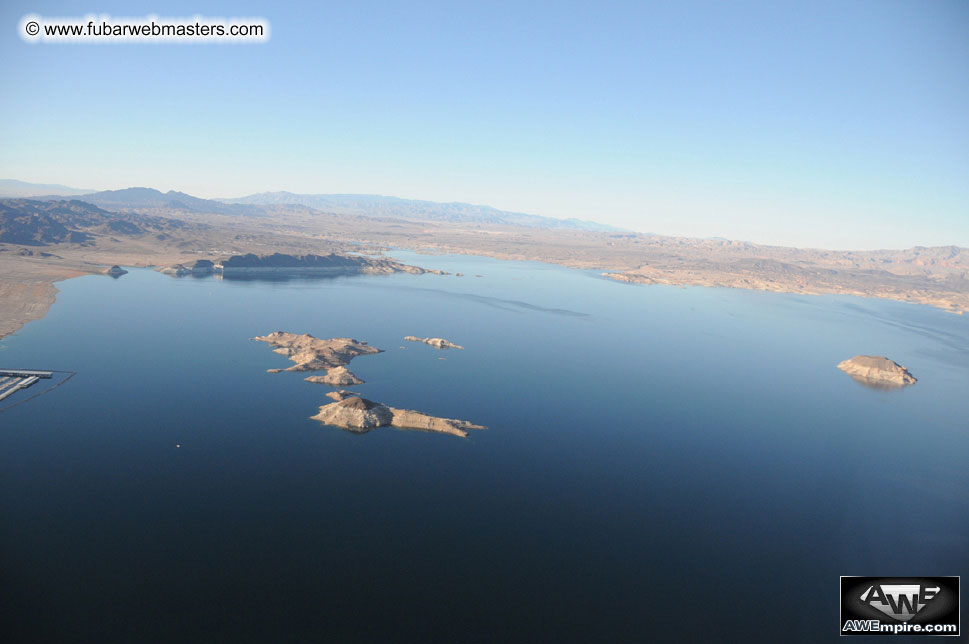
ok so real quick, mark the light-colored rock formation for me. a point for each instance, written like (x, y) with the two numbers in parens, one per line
(175, 270)
(878, 371)
(341, 394)
(337, 377)
(315, 354)
(361, 415)
(409, 419)
(439, 343)
(355, 414)
(198, 267)
(351, 411)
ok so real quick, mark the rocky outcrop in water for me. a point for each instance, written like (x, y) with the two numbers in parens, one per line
(409, 419)
(877, 371)
(355, 414)
(198, 267)
(358, 414)
(314, 354)
(351, 411)
(336, 377)
(175, 270)
(115, 271)
(439, 343)
(341, 394)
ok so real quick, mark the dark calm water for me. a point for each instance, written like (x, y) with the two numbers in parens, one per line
(661, 464)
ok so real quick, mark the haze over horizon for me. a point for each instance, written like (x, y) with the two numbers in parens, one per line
(75, 193)
(828, 125)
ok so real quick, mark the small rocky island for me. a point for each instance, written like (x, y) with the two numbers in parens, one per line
(314, 354)
(877, 371)
(440, 343)
(115, 271)
(359, 415)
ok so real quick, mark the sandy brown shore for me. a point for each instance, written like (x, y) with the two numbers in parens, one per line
(27, 290)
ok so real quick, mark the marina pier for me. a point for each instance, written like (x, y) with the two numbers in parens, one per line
(13, 380)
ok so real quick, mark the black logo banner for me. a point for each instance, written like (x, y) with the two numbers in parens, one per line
(900, 606)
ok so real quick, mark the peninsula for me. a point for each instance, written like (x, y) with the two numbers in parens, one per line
(439, 343)
(333, 263)
(313, 354)
(877, 371)
(330, 264)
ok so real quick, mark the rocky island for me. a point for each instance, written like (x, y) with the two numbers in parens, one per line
(360, 415)
(351, 411)
(115, 271)
(877, 371)
(313, 354)
(439, 343)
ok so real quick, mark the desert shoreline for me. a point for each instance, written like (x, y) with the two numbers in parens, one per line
(28, 284)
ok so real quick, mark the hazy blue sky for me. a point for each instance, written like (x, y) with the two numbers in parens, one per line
(838, 124)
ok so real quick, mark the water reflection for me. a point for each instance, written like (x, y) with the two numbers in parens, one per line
(880, 385)
(275, 275)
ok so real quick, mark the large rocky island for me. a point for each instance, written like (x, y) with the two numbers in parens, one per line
(360, 415)
(877, 371)
(315, 354)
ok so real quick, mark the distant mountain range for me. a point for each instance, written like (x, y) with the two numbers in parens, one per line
(257, 205)
(395, 207)
(17, 189)
(38, 223)
(135, 198)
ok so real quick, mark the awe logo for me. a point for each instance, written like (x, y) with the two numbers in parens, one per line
(900, 606)
(899, 601)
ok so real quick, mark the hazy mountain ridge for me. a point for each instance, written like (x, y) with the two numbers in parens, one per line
(142, 198)
(416, 209)
(377, 206)
(39, 223)
(16, 189)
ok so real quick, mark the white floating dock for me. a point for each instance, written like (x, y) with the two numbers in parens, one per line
(13, 380)
(25, 373)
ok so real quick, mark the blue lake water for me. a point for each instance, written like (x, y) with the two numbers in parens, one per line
(661, 464)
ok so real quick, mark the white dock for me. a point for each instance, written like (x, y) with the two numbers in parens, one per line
(13, 380)
(25, 373)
